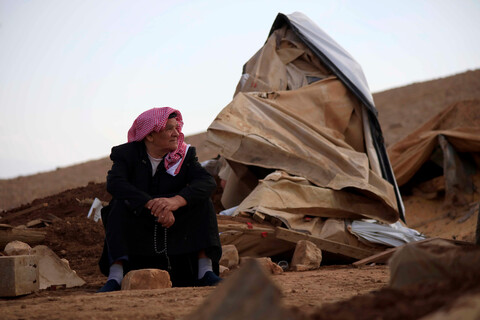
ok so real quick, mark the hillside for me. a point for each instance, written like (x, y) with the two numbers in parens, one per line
(401, 110)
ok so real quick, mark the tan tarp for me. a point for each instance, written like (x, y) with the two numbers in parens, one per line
(458, 123)
(283, 63)
(309, 132)
(294, 117)
(289, 198)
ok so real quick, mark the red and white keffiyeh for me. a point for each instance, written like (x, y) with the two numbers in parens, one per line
(155, 120)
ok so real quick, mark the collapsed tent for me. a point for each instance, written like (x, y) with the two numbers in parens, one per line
(301, 136)
(442, 155)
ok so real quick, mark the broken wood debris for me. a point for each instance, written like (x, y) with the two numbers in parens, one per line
(30, 236)
(25, 211)
(323, 244)
(38, 223)
(245, 228)
(382, 257)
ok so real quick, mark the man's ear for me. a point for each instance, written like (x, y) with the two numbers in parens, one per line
(149, 137)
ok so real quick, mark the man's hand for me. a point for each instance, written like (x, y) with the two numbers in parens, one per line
(166, 220)
(163, 208)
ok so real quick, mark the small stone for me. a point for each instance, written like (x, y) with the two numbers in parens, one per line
(230, 256)
(223, 270)
(266, 263)
(17, 248)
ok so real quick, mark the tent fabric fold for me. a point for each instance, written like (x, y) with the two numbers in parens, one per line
(290, 198)
(459, 123)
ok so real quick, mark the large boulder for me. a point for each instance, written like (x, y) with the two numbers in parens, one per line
(248, 294)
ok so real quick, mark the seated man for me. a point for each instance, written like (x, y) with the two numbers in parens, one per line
(160, 215)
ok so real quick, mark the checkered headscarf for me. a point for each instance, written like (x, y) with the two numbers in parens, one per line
(155, 120)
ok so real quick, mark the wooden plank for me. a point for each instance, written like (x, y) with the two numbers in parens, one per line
(258, 217)
(245, 228)
(323, 244)
(382, 257)
(30, 236)
(274, 221)
(22, 212)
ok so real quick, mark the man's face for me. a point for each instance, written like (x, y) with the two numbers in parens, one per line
(165, 140)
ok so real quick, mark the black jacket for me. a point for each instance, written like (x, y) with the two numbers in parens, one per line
(130, 181)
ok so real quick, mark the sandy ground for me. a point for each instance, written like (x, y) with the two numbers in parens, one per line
(305, 290)
(310, 294)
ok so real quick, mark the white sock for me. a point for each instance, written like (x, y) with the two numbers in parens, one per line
(204, 265)
(116, 273)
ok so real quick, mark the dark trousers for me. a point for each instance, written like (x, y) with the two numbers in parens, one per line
(114, 246)
(183, 269)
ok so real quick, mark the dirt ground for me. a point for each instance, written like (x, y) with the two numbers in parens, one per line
(331, 292)
(79, 240)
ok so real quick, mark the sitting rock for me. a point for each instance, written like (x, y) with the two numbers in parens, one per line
(146, 279)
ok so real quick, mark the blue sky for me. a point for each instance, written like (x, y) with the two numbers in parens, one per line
(74, 74)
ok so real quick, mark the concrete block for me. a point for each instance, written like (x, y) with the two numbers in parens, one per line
(53, 270)
(18, 275)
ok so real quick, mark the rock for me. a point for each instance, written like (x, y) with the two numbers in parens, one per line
(223, 270)
(307, 256)
(266, 263)
(16, 248)
(146, 279)
(66, 262)
(229, 257)
(432, 262)
(464, 307)
(247, 294)
(53, 271)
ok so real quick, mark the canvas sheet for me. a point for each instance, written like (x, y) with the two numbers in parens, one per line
(308, 132)
(459, 123)
(289, 199)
